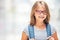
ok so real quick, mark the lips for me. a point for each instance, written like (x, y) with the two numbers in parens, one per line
(40, 17)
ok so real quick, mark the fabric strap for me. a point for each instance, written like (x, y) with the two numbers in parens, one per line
(31, 31)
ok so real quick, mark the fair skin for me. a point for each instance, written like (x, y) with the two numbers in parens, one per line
(24, 36)
(39, 23)
(40, 16)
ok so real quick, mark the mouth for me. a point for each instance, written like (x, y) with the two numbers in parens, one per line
(40, 17)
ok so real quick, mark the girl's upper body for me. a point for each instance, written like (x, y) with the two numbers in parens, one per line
(39, 33)
(40, 16)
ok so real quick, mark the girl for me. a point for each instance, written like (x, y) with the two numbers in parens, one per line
(40, 17)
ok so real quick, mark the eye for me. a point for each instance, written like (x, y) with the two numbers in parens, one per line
(38, 11)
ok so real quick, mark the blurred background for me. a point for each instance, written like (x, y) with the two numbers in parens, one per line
(15, 15)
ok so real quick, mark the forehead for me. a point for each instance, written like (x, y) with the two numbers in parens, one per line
(40, 7)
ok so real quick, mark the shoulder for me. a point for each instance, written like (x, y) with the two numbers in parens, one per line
(26, 30)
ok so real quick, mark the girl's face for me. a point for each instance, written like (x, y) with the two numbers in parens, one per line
(40, 13)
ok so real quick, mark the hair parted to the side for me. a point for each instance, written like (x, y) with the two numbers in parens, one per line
(32, 17)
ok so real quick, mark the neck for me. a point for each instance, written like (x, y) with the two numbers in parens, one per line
(40, 24)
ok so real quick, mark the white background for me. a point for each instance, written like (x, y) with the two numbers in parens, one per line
(15, 15)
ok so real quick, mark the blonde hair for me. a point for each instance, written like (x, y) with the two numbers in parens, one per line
(32, 17)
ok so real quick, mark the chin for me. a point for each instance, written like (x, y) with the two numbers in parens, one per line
(41, 19)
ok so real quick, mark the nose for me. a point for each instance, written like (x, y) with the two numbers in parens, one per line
(41, 13)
